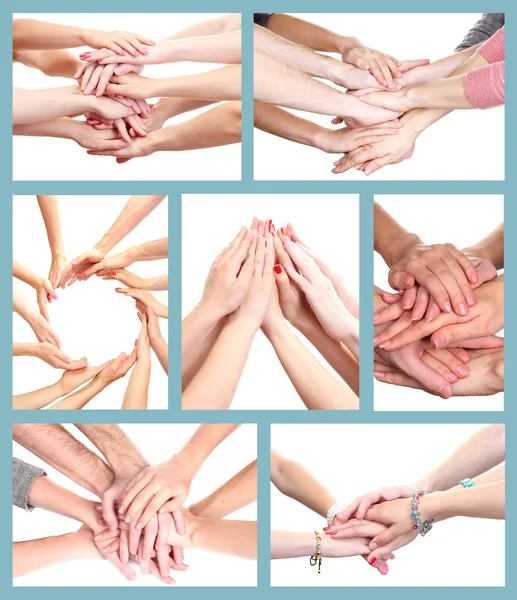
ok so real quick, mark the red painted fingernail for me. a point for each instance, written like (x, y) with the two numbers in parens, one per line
(100, 60)
(113, 273)
(278, 269)
(326, 528)
(332, 532)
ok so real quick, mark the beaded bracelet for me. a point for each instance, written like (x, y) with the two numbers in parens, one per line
(423, 528)
(316, 559)
(467, 482)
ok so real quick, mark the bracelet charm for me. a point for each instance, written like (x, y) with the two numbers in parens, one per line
(467, 482)
(425, 527)
(316, 559)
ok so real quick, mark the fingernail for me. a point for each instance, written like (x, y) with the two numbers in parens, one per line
(375, 340)
(438, 343)
(384, 344)
(373, 562)
(378, 374)
(327, 528)
(113, 274)
(332, 532)
(121, 509)
(278, 269)
(161, 511)
(451, 377)
(132, 576)
(98, 537)
(462, 309)
(107, 549)
(139, 525)
(384, 569)
(470, 299)
(447, 307)
(407, 280)
(462, 371)
(406, 304)
(127, 519)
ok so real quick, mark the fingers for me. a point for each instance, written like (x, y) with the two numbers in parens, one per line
(439, 367)
(400, 280)
(451, 361)
(149, 538)
(178, 558)
(154, 506)
(179, 521)
(104, 79)
(108, 511)
(135, 122)
(377, 164)
(125, 569)
(407, 65)
(384, 339)
(452, 334)
(367, 529)
(302, 283)
(238, 253)
(161, 544)
(384, 538)
(409, 298)
(124, 546)
(487, 341)
(433, 310)
(421, 304)
(391, 313)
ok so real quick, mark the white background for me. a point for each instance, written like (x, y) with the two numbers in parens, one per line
(356, 459)
(329, 224)
(460, 220)
(90, 318)
(158, 443)
(56, 159)
(449, 149)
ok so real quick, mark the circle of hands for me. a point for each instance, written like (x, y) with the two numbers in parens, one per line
(114, 76)
(266, 274)
(438, 332)
(92, 262)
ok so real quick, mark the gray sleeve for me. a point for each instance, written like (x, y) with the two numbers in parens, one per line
(262, 18)
(482, 29)
(23, 478)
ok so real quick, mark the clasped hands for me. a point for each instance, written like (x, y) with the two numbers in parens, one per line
(450, 301)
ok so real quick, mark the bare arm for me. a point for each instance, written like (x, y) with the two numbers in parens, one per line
(210, 27)
(237, 492)
(137, 391)
(158, 345)
(57, 447)
(49, 207)
(54, 63)
(491, 247)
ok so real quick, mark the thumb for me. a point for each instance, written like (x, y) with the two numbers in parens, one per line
(400, 280)
(450, 334)
(384, 538)
(108, 511)
(179, 521)
(486, 272)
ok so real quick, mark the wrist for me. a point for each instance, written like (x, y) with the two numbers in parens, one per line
(400, 248)
(273, 326)
(436, 506)
(343, 44)
(322, 138)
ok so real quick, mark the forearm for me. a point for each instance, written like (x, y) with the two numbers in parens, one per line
(390, 239)
(448, 93)
(135, 211)
(58, 448)
(160, 347)
(219, 84)
(156, 284)
(292, 544)
(219, 126)
(29, 34)
(315, 37)
(79, 399)
(298, 56)
(38, 398)
(215, 384)
(234, 538)
(30, 106)
(282, 123)
(22, 306)
(491, 247)
(482, 451)
(199, 333)
(210, 27)
(236, 493)
(482, 502)
(317, 388)
(333, 351)
(49, 208)
(292, 480)
(24, 349)
(114, 445)
(23, 273)
(54, 63)
(223, 48)
(137, 391)
(153, 250)
(33, 555)
(46, 494)
(63, 127)
(278, 83)
(203, 442)
(171, 107)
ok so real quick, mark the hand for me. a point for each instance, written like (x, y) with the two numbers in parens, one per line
(347, 139)
(132, 86)
(145, 300)
(365, 115)
(155, 486)
(320, 293)
(255, 304)
(443, 270)
(71, 380)
(113, 495)
(110, 108)
(371, 157)
(77, 267)
(58, 359)
(42, 329)
(157, 54)
(118, 41)
(57, 266)
(397, 100)
(137, 148)
(142, 344)
(124, 276)
(117, 261)
(45, 293)
(382, 66)
(485, 318)
(153, 326)
(91, 138)
(108, 543)
(116, 369)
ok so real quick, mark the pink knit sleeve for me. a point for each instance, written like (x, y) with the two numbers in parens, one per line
(484, 87)
(493, 48)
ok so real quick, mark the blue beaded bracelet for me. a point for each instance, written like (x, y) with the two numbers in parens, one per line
(422, 528)
(467, 482)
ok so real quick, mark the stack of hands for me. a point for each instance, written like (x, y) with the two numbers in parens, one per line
(438, 332)
(263, 279)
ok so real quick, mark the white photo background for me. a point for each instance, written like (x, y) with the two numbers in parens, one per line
(91, 319)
